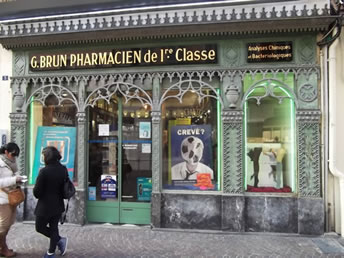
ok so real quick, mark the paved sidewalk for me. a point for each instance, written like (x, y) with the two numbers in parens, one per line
(106, 241)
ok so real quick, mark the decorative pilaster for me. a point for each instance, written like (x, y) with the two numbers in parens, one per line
(156, 157)
(308, 125)
(18, 135)
(156, 139)
(232, 151)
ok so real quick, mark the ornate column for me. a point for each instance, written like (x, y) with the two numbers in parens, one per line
(232, 151)
(156, 156)
(233, 201)
(311, 205)
(77, 214)
(308, 129)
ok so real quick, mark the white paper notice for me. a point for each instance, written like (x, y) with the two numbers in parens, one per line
(146, 148)
(103, 129)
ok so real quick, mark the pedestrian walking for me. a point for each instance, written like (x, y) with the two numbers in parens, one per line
(9, 178)
(50, 206)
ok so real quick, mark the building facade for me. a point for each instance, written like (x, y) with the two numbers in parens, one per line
(194, 116)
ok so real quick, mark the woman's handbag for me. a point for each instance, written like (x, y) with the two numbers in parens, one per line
(68, 192)
(68, 189)
(15, 196)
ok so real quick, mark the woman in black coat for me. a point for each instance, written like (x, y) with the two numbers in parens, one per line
(50, 206)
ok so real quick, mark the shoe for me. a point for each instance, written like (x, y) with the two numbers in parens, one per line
(47, 255)
(62, 245)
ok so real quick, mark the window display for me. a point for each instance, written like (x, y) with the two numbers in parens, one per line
(269, 139)
(52, 124)
(190, 149)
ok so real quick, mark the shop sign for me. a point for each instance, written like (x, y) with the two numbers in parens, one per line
(175, 55)
(269, 52)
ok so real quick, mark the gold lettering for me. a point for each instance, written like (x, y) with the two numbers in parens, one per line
(33, 62)
(116, 57)
(110, 59)
(212, 54)
(80, 59)
(56, 61)
(102, 58)
(63, 60)
(137, 57)
(72, 59)
(87, 60)
(49, 61)
(178, 54)
(94, 59)
(197, 56)
(161, 55)
(42, 61)
(154, 57)
(204, 55)
(129, 57)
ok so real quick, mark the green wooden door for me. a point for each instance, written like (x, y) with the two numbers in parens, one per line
(119, 167)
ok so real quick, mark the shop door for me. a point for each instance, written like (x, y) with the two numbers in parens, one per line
(120, 162)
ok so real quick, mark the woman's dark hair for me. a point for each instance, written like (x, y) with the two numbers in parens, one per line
(51, 155)
(11, 147)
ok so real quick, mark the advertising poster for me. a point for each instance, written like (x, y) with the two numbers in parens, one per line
(191, 157)
(92, 190)
(144, 188)
(145, 130)
(108, 186)
(63, 138)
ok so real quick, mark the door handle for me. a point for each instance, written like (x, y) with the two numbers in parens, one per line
(127, 209)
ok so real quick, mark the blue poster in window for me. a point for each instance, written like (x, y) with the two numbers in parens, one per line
(63, 138)
(144, 188)
(108, 186)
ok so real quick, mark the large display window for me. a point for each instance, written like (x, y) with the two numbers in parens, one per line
(52, 124)
(270, 137)
(191, 143)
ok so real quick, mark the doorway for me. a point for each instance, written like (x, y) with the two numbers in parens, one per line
(119, 162)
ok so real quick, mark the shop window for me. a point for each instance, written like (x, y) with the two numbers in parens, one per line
(191, 143)
(52, 124)
(269, 138)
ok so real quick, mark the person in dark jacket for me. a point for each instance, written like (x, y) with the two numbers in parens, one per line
(50, 206)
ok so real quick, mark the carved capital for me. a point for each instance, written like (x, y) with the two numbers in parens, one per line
(18, 119)
(234, 116)
(81, 116)
(308, 116)
(156, 116)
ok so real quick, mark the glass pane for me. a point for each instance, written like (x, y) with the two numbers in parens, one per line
(136, 152)
(190, 137)
(270, 145)
(52, 124)
(103, 149)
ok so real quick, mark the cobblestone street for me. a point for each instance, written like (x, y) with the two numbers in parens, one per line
(106, 240)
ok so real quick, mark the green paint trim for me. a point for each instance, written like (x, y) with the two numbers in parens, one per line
(219, 145)
(31, 145)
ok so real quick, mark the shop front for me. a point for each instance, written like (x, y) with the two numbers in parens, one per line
(213, 130)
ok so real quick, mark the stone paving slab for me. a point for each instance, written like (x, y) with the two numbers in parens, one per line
(106, 241)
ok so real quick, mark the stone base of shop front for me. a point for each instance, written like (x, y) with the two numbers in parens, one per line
(76, 210)
(241, 213)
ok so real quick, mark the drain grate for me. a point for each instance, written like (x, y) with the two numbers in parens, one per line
(329, 246)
